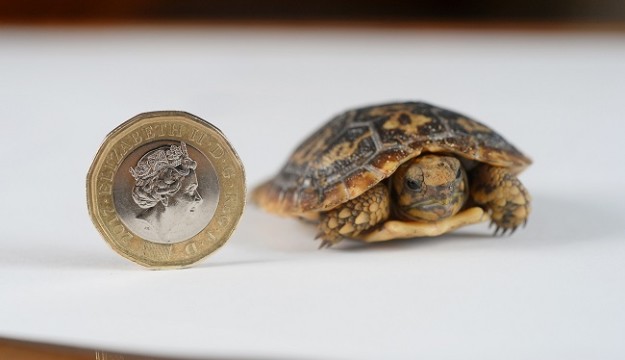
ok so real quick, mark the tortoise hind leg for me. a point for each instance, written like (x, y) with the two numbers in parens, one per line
(501, 193)
(355, 216)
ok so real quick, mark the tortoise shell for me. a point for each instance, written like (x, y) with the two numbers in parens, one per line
(361, 147)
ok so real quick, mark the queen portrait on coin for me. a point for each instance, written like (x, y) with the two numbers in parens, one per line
(166, 190)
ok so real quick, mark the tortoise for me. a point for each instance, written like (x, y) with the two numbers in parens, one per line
(400, 170)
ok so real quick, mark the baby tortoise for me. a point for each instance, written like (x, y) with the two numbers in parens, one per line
(400, 170)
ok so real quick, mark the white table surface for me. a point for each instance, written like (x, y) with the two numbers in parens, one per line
(553, 290)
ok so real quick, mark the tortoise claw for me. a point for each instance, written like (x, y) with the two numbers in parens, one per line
(325, 244)
(501, 231)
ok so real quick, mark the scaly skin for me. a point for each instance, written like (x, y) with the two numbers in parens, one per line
(355, 216)
(502, 194)
(429, 188)
(495, 189)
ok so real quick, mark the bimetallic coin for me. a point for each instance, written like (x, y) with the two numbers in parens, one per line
(166, 189)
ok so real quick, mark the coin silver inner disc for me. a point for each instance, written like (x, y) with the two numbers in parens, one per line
(166, 191)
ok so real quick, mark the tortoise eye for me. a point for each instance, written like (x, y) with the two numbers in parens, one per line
(459, 173)
(414, 185)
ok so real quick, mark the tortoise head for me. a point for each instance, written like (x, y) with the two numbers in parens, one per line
(430, 187)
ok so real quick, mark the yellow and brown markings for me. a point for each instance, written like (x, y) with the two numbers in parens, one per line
(355, 216)
(283, 201)
(335, 195)
(305, 199)
(502, 194)
(320, 140)
(360, 181)
(357, 149)
(343, 149)
(514, 161)
(401, 118)
(472, 126)
(396, 229)
(311, 147)
(388, 161)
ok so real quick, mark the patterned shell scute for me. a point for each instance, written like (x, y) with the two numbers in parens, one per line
(359, 148)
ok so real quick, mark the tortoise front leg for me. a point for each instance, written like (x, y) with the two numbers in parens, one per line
(355, 216)
(501, 193)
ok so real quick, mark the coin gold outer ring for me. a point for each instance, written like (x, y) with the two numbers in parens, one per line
(172, 126)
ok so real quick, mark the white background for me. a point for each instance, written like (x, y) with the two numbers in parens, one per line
(553, 290)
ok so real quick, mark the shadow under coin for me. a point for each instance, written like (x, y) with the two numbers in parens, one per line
(260, 230)
(63, 256)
